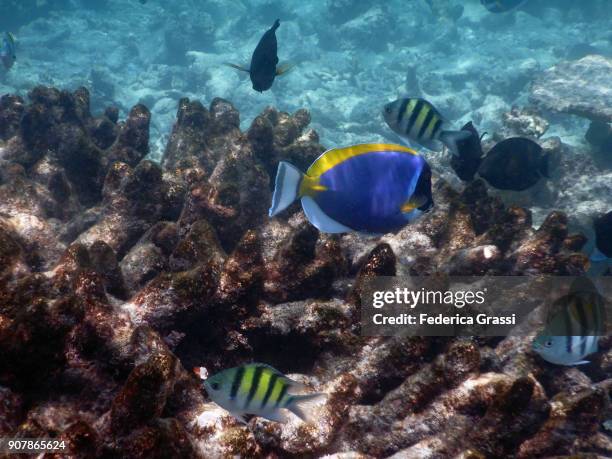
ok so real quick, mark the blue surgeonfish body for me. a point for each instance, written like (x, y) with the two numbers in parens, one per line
(368, 188)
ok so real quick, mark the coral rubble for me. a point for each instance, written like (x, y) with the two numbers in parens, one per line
(117, 275)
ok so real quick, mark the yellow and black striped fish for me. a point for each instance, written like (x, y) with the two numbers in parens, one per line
(574, 325)
(419, 121)
(260, 390)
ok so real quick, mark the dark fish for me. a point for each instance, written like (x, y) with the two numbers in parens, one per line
(467, 161)
(603, 238)
(264, 61)
(514, 164)
(8, 55)
(501, 6)
(142, 2)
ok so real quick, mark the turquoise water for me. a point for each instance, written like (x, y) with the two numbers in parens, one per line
(351, 57)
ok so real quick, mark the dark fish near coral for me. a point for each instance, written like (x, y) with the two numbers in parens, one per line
(418, 120)
(8, 55)
(260, 390)
(574, 326)
(264, 61)
(501, 6)
(469, 157)
(370, 188)
(514, 164)
(603, 238)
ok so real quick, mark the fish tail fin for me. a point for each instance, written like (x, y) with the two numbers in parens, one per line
(302, 405)
(450, 139)
(286, 187)
(544, 165)
(237, 67)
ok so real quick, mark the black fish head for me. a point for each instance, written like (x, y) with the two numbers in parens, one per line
(603, 233)
(466, 162)
(422, 190)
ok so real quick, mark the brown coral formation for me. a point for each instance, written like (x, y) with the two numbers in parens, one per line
(117, 275)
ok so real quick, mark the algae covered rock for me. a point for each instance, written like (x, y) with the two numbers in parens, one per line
(118, 275)
(563, 88)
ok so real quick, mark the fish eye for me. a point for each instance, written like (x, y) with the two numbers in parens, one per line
(214, 386)
(387, 109)
(548, 343)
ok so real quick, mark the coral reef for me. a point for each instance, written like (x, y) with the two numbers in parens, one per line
(117, 275)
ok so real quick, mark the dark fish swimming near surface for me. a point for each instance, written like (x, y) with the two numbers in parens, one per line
(264, 61)
(418, 120)
(8, 55)
(603, 238)
(501, 6)
(575, 323)
(260, 390)
(369, 188)
(514, 164)
(469, 157)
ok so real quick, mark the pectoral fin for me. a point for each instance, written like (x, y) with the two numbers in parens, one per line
(413, 203)
(284, 68)
(237, 67)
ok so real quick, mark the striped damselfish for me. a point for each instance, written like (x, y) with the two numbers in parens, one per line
(368, 188)
(418, 120)
(573, 328)
(260, 390)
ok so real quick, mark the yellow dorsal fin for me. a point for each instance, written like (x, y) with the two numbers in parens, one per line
(335, 156)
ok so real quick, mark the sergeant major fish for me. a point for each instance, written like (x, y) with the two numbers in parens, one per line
(263, 68)
(260, 390)
(8, 54)
(419, 121)
(573, 328)
(369, 188)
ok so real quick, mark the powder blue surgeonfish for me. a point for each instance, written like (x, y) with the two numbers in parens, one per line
(368, 188)
(501, 6)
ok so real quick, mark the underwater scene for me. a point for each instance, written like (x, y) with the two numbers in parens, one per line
(339, 229)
